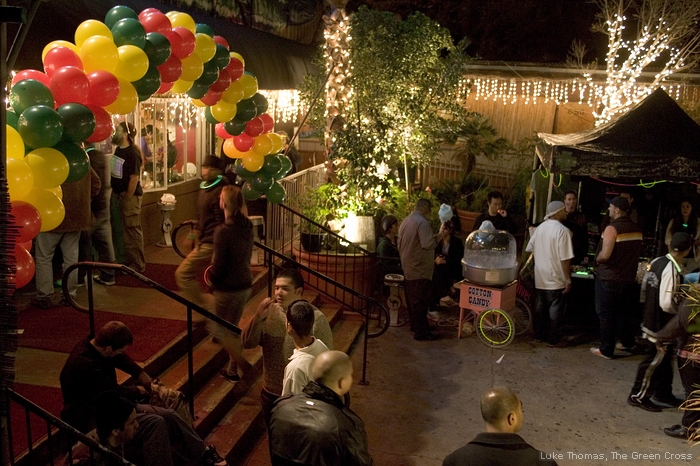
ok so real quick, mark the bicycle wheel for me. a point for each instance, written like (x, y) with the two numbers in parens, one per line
(495, 328)
(522, 316)
(181, 244)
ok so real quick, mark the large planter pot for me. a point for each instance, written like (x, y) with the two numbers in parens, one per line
(466, 219)
(312, 242)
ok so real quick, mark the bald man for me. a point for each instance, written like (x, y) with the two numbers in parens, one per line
(500, 445)
(315, 427)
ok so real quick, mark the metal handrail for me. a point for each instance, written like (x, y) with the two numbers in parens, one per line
(51, 421)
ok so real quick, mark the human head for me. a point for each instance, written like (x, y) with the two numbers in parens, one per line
(495, 201)
(556, 210)
(147, 131)
(124, 130)
(231, 200)
(423, 207)
(115, 418)
(627, 195)
(333, 369)
(114, 337)
(681, 243)
(502, 410)
(618, 207)
(289, 286)
(571, 201)
(449, 227)
(300, 318)
(686, 208)
(212, 167)
(389, 222)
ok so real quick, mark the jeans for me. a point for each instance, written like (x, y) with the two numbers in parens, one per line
(548, 322)
(45, 246)
(100, 238)
(614, 304)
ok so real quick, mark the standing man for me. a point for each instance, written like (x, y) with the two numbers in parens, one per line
(577, 223)
(663, 297)
(126, 166)
(315, 427)
(615, 283)
(552, 248)
(496, 214)
(417, 248)
(500, 445)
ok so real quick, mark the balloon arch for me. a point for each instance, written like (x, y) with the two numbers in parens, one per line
(111, 67)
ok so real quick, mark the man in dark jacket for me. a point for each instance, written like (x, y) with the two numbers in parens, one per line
(500, 445)
(315, 427)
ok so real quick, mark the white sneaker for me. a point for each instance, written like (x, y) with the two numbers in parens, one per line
(434, 315)
(447, 301)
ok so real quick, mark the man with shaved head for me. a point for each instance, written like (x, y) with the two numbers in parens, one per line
(315, 427)
(500, 445)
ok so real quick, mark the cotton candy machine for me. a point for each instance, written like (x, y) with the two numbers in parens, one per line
(490, 256)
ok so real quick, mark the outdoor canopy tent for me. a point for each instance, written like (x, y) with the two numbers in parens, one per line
(655, 140)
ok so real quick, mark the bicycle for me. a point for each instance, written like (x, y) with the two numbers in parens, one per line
(182, 237)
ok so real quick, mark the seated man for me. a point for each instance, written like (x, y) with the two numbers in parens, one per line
(315, 427)
(500, 445)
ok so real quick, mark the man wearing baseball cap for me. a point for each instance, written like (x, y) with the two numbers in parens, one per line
(616, 275)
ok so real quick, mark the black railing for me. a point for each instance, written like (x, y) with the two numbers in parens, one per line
(90, 310)
(59, 437)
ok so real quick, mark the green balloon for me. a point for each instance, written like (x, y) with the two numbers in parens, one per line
(12, 119)
(209, 117)
(157, 48)
(144, 97)
(222, 57)
(261, 181)
(260, 103)
(198, 90)
(129, 31)
(118, 13)
(250, 194)
(285, 167)
(28, 93)
(271, 165)
(235, 127)
(209, 75)
(150, 82)
(78, 122)
(40, 126)
(246, 110)
(242, 171)
(276, 194)
(78, 161)
(204, 29)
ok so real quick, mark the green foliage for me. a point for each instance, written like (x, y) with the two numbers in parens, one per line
(401, 204)
(474, 136)
(468, 193)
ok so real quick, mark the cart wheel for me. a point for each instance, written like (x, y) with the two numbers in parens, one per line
(522, 315)
(495, 328)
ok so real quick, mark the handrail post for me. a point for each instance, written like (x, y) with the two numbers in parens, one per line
(190, 362)
(364, 381)
(91, 303)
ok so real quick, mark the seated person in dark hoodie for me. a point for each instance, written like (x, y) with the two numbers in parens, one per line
(388, 252)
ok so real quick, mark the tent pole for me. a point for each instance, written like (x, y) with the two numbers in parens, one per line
(551, 179)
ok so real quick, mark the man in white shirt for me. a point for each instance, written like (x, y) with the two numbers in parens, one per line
(300, 323)
(552, 249)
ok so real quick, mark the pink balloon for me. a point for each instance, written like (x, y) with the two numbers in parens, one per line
(104, 88)
(221, 41)
(58, 57)
(182, 42)
(222, 83)
(155, 21)
(103, 124)
(27, 219)
(255, 127)
(268, 122)
(235, 69)
(164, 87)
(31, 74)
(25, 267)
(69, 84)
(171, 70)
(221, 131)
(243, 142)
(211, 98)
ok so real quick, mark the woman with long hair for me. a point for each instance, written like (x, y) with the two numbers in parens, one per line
(686, 221)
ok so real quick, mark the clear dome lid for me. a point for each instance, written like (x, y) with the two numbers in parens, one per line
(488, 248)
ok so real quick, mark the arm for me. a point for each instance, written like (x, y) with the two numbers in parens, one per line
(133, 182)
(669, 235)
(252, 333)
(668, 299)
(566, 267)
(675, 328)
(609, 236)
(425, 236)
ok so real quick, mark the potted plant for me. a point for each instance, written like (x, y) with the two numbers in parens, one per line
(319, 206)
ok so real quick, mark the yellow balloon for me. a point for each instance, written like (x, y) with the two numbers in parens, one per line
(15, 144)
(233, 94)
(205, 47)
(199, 103)
(20, 179)
(277, 142)
(59, 43)
(133, 63)
(50, 167)
(91, 28)
(181, 86)
(50, 208)
(192, 68)
(253, 161)
(182, 20)
(99, 53)
(58, 191)
(237, 56)
(262, 145)
(249, 84)
(223, 111)
(126, 100)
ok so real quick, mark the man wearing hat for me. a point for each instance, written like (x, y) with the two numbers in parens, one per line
(210, 215)
(662, 300)
(552, 251)
(616, 275)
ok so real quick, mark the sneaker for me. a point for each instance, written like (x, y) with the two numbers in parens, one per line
(434, 315)
(211, 457)
(447, 302)
(597, 352)
(667, 401)
(644, 404)
(42, 303)
(99, 280)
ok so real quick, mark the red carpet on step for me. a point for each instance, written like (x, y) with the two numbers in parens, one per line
(48, 398)
(163, 274)
(60, 328)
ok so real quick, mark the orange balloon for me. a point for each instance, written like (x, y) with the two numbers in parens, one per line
(231, 151)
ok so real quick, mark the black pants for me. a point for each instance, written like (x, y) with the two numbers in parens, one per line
(655, 375)
(690, 376)
(418, 293)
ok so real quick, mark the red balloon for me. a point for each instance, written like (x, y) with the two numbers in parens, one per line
(164, 87)
(268, 122)
(171, 70)
(27, 219)
(235, 69)
(182, 42)
(25, 267)
(222, 83)
(31, 74)
(58, 57)
(243, 142)
(221, 131)
(148, 11)
(104, 88)
(221, 41)
(69, 84)
(155, 21)
(103, 124)
(26, 245)
(211, 98)
(255, 127)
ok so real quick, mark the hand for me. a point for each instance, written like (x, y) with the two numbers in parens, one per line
(503, 213)
(264, 308)
(567, 288)
(660, 348)
(142, 390)
(440, 260)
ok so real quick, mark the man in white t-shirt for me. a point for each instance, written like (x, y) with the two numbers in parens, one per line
(300, 323)
(552, 250)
